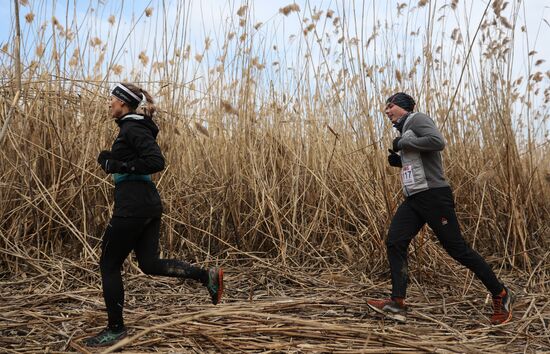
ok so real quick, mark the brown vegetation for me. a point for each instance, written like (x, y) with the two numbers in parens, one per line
(281, 177)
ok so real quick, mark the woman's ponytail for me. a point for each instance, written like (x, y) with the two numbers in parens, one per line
(147, 106)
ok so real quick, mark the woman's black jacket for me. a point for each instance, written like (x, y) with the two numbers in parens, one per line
(135, 194)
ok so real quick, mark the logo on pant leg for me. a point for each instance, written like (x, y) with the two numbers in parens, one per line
(444, 221)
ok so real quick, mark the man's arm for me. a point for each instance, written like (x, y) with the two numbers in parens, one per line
(428, 137)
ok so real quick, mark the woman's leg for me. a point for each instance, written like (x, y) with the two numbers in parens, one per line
(147, 252)
(118, 242)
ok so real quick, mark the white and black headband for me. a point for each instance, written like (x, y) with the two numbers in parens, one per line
(126, 95)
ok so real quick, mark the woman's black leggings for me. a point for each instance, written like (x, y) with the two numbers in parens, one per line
(141, 235)
(436, 208)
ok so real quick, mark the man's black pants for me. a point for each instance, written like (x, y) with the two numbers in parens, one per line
(436, 208)
(141, 235)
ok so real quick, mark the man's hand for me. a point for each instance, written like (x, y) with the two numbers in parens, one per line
(394, 159)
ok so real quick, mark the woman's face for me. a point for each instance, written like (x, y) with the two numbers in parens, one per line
(118, 108)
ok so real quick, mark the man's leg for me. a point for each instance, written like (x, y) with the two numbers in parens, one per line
(440, 215)
(439, 211)
(403, 228)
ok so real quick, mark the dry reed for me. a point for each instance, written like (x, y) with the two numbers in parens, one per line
(280, 176)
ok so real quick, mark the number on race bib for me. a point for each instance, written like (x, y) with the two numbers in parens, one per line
(407, 175)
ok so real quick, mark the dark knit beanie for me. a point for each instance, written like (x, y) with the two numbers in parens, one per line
(402, 100)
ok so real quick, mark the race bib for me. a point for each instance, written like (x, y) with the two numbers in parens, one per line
(407, 175)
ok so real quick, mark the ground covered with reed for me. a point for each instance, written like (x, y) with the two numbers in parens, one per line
(269, 310)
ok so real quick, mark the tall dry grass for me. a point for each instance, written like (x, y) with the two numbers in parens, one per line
(264, 164)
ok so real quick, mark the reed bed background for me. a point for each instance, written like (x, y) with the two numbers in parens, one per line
(276, 168)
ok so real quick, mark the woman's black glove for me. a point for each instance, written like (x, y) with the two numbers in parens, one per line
(395, 144)
(103, 157)
(394, 159)
(110, 165)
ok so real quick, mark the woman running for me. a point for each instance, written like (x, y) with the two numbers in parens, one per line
(135, 223)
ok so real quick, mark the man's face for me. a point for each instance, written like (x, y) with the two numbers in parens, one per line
(394, 112)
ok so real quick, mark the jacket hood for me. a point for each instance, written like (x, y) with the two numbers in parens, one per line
(140, 119)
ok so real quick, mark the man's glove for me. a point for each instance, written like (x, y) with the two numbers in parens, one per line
(395, 144)
(110, 165)
(394, 159)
